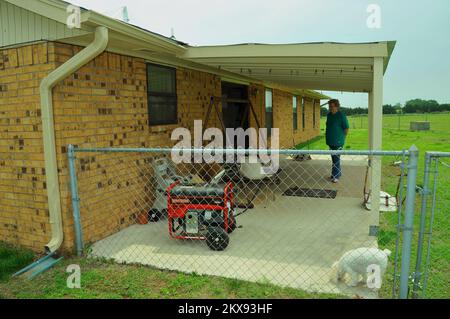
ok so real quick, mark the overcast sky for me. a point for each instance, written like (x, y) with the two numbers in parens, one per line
(419, 67)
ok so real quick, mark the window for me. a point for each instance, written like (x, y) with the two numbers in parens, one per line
(269, 112)
(161, 95)
(294, 113)
(303, 113)
(314, 114)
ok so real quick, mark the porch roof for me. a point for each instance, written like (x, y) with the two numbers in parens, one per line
(300, 68)
(316, 66)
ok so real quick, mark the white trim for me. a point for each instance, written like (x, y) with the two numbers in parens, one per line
(376, 112)
(369, 50)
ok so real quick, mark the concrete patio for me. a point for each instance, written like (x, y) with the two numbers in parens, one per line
(287, 241)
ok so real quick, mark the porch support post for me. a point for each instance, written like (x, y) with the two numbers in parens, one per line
(370, 121)
(375, 138)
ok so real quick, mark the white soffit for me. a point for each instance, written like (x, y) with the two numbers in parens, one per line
(316, 66)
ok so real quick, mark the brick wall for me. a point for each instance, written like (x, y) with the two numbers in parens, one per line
(23, 194)
(283, 119)
(310, 131)
(104, 104)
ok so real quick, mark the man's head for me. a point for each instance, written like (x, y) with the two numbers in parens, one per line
(334, 106)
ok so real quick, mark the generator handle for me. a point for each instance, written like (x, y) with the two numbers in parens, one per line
(169, 189)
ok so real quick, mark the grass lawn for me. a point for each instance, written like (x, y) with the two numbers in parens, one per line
(12, 259)
(438, 139)
(109, 280)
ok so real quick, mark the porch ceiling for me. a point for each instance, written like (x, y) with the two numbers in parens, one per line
(316, 66)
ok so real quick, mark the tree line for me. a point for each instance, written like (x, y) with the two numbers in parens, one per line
(412, 106)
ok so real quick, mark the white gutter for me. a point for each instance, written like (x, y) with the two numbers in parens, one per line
(48, 131)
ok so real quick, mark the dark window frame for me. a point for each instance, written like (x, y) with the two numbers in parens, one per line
(169, 96)
(294, 113)
(314, 114)
(269, 114)
(303, 113)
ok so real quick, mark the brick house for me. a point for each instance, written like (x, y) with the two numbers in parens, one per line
(132, 92)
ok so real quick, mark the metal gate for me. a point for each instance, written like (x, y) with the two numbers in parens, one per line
(431, 277)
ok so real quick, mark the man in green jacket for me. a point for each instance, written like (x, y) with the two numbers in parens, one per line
(336, 132)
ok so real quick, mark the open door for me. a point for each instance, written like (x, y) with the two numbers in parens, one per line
(235, 108)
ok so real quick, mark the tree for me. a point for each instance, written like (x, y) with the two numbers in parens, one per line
(421, 106)
(444, 107)
(398, 108)
(389, 109)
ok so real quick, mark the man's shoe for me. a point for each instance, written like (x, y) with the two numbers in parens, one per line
(335, 180)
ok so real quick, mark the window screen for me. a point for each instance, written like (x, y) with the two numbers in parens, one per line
(269, 112)
(314, 114)
(162, 95)
(303, 112)
(294, 113)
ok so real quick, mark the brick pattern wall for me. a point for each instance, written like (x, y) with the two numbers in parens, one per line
(104, 104)
(310, 130)
(194, 91)
(23, 194)
(283, 119)
(257, 98)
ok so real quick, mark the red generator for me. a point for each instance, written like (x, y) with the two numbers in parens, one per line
(201, 212)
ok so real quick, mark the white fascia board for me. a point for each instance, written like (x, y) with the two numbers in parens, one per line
(128, 30)
(370, 50)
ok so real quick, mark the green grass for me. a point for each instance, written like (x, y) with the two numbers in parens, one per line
(110, 280)
(437, 139)
(12, 259)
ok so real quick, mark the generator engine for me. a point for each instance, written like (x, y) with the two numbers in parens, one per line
(201, 212)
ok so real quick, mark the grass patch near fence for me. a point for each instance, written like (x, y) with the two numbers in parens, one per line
(397, 137)
(109, 280)
(13, 259)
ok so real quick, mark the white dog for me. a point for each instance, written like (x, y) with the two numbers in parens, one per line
(361, 262)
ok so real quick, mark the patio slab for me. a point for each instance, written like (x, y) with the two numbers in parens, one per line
(287, 241)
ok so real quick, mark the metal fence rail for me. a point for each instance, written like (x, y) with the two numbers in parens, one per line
(400, 121)
(432, 259)
(289, 226)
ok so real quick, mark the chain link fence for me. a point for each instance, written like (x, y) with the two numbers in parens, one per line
(285, 223)
(432, 269)
(401, 121)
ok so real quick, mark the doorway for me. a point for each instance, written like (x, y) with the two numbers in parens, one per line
(235, 109)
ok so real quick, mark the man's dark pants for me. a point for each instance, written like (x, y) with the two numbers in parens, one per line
(336, 172)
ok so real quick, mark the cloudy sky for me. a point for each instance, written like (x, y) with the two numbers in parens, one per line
(419, 68)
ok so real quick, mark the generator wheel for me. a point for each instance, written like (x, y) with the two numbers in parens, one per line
(217, 238)
(154, 215)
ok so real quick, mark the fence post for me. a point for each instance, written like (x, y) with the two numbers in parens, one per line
(423, 212)
(409, 221)
(430, 231)
(75, 200)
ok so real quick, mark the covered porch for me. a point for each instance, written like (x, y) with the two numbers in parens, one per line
(340, 67)
(284, 240)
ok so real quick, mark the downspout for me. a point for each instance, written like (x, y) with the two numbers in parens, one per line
(48, 131)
